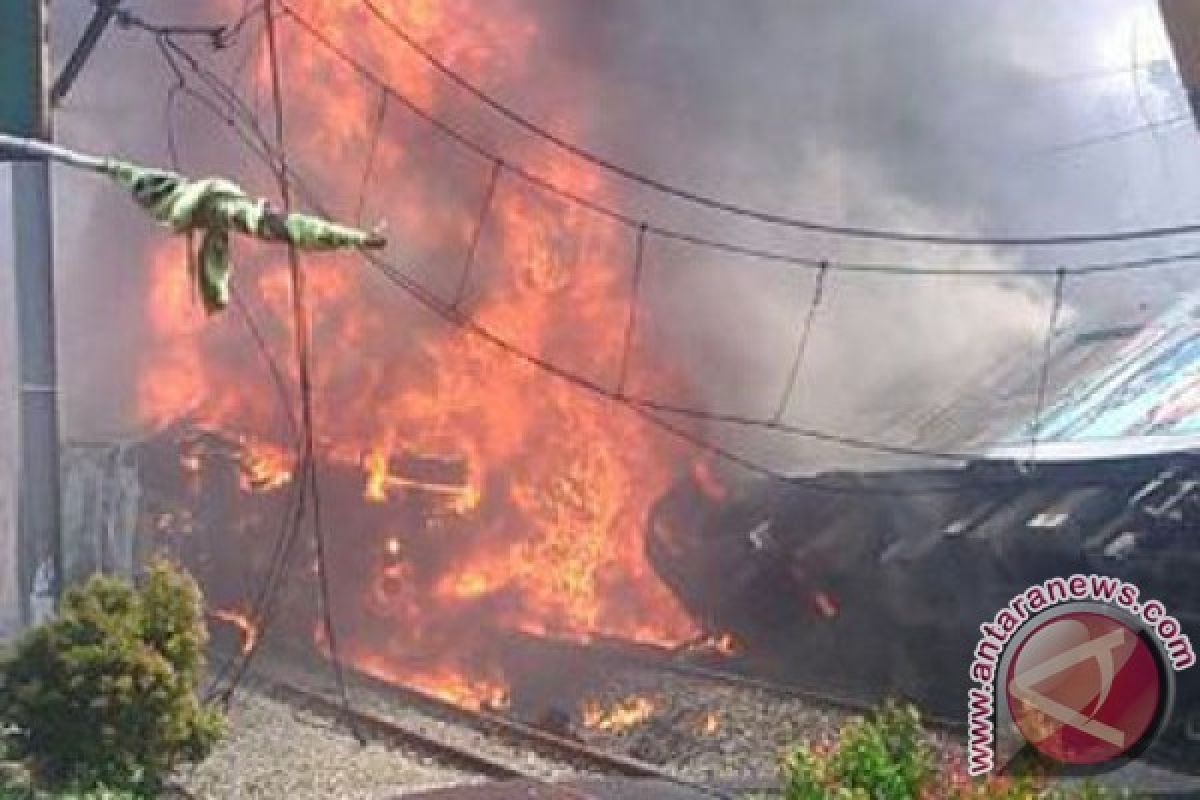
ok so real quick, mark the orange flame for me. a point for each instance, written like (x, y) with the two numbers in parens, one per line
(264, 467)
(708, 482)
(247, 629)
(554, 486)
(727, 644)
(623, 715)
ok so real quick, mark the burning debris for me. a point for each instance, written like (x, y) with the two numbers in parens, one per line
(619, 717)
(467, 492)
(244, 625)
(708, 723)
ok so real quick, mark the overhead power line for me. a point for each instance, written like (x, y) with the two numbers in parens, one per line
(241, 120)
(243, 123)
(800, 261)
(759, 215)
(303, 340)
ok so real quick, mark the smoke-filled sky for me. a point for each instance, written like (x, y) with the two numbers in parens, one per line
(971, 116)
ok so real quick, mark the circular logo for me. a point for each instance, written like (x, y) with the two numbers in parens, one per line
(1085, 688)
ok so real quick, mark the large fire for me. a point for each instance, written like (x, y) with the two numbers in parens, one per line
(521, 501)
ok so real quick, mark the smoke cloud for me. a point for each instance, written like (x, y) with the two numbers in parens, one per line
(903, 115)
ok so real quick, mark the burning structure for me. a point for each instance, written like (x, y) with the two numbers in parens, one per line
(882, 579)
(466, 494)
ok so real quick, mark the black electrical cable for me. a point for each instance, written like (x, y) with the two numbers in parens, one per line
(280, 558)
(639, 256)
(810, 318)
(1044, 372)
(489, 193)
(717, 245)
(302, 336)
(376, 131)
(263, 149)
(279, 561)
(759, 215)
(257, 144)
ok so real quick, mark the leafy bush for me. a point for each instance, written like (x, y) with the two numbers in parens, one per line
(884, 757)
(11, 793)
(888, 756)
(105, 695)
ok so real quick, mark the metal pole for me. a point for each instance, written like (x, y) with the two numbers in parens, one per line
(39, 544)
(105, 9)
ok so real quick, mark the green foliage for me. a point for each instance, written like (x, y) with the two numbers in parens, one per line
(105, 695)
(888, 756)
(883, 757)
(12, 793)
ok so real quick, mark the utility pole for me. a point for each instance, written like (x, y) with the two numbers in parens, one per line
(39, 543)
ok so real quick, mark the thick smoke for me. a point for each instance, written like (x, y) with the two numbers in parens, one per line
(969, 116)
(919, 114)
(966, 116)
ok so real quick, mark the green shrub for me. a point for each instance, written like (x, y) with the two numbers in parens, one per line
(11, 793)
(888, 756)
(883, 757)
(105, 695)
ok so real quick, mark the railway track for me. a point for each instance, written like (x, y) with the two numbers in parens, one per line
(496, 746)
(479, 742)
(620, 652)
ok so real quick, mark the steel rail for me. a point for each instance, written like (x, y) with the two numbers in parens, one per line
(588, 761)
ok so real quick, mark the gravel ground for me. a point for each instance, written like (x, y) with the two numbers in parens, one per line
(751, 729)
(368, 696)
(273, 751)
(709, 732)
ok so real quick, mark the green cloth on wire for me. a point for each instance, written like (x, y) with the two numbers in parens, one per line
(214, 207)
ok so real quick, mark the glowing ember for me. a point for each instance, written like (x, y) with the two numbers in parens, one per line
(706, 479)
(524, 500)
(264, 467)
(247, 629)
(709, 723)
(444, 684)
(622, 716)
(377, 478)
(725, 644)
(826, 604)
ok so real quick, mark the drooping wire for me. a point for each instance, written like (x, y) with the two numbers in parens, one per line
(302, 336)
(646, 409)
(802, 346)
(485, 207)
(256, 141)
(1044, 373)
(376, 131)
(716, 204)
(718, 245)
(279, 561)
(639, 255)
(254, 138)
(1152, 127)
